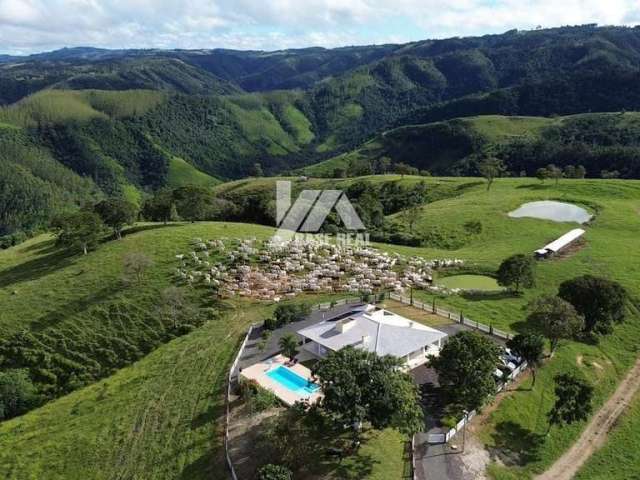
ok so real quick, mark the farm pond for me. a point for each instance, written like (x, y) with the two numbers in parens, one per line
(552, 210)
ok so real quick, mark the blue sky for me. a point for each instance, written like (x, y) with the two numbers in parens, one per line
(28, 26)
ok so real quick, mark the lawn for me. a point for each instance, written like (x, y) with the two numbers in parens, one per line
(470, 282)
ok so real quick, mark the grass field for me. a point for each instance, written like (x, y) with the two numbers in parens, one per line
(43, 289)
(182, 173)
(158, 418)
(470, 282)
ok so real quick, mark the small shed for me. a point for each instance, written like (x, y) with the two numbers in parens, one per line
(560, 243)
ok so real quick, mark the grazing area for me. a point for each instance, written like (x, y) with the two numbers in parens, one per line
(470, 282)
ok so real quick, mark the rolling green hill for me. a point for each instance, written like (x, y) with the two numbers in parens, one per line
(160, 415)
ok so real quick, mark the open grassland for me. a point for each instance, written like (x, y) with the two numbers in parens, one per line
(57, 106)
(162, 416)
(183, 173)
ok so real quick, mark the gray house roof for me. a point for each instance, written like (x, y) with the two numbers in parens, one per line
(362, 331)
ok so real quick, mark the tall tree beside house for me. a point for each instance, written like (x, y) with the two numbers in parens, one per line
(573, 400)
(517, 271)
(601, 301)
(361, 387)
(465, 367)
(116, 213)
(530, 347)
(556, 318)
(288, 345)
(491, 168)
(80, 230)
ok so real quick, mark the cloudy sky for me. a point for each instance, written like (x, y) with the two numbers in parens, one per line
(28, 26)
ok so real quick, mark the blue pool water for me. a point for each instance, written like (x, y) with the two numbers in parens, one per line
(292, 381)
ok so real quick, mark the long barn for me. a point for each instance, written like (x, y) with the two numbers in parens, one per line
(560, 243)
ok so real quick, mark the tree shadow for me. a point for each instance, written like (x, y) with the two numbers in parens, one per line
(38, 267)
(535, 186)
(75, 306)
(476, 296)
(143, 228)
(516, 445)
(357, 467)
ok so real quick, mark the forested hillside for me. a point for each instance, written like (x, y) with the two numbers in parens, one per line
(129, 122)
(605, 144)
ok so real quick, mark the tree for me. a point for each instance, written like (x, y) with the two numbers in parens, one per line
(465, 368)
(256, 170)
(410, 216)
(542, 174)
(82, 230)
(116, 213)
(529, 346)
(288, 345)
(581, 172)
(17, 393)
(383, 165)
(554, 172)
(517, 271)
(193, 203)
(274, 472)
(491, 168)
(136, 264)
(573, 400)
(161, 207)
(339, 172)
(556, 318)
(599, 300)
(359, 386)
(403, 169)
(172, 304)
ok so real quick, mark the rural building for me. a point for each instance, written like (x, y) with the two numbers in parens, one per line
(557, 245)
(376, 330)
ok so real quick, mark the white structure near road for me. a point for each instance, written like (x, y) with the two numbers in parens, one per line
(557, 245)
(376, 330)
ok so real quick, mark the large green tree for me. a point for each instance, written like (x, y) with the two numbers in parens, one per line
(556, 318)
(161, 207)
(82, 230)
(359, 386)
(116, 213)
(573, 400)
(465, 367)
(517, 271)
(599, 300)
(529, 346)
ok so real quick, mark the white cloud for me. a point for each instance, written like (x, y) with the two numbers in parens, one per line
(35, 25)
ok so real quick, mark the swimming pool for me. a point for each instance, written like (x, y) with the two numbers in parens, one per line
(292, 381)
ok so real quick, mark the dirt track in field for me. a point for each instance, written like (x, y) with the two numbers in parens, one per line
(595, 435)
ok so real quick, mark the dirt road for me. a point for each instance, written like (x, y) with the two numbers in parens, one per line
(597, 430)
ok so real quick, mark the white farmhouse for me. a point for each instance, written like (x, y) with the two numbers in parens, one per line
(376, 330)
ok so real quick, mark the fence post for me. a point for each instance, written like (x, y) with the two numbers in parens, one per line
(433, 305)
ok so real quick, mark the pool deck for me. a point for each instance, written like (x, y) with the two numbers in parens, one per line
(258, 372)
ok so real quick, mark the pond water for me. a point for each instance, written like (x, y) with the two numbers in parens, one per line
(551, 210)
(470, 282)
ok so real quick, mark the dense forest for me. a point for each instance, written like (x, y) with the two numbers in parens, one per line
(130, 122)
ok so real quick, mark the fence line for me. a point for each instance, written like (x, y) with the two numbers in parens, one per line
(458, 318)
(234, 365)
